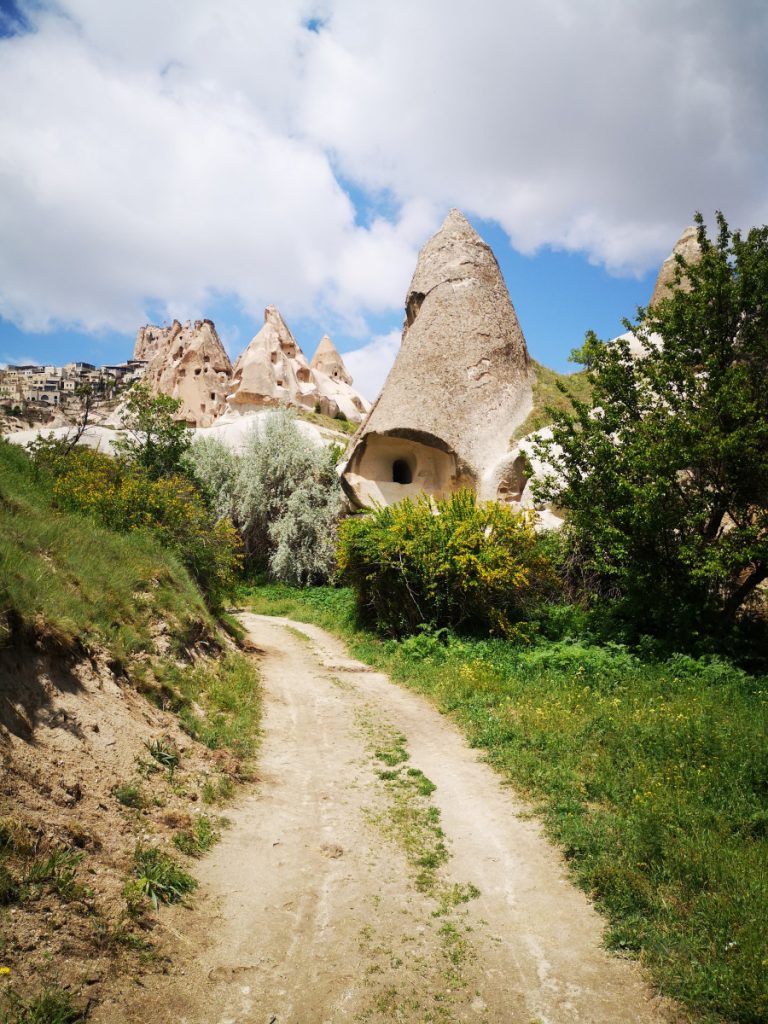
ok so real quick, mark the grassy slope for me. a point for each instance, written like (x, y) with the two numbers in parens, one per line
(547, 395)
(69, 584)
(64, 577)
(652, 777)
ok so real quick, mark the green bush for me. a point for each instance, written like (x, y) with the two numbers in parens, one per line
(456, 563)
(283, 494)
(126, 499)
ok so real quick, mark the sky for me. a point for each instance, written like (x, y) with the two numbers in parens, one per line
(182, 159)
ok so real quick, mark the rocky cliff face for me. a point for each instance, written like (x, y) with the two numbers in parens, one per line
(459, 386)
(273, 370)
(187, 362)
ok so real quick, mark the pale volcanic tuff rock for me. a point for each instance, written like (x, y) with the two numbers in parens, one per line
(273, 371)
(459, 386)
(189, 363)
(686, 246)
(328, 361)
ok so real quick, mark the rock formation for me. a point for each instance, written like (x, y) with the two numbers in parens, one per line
(273, 371)
(458, 388)
(686, 246)
(328, 361)
(187, 362)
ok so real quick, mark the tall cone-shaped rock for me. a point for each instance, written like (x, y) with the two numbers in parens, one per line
(686, 246)
(459, 386)
(187, 362)
(328, 361)
(273, 371)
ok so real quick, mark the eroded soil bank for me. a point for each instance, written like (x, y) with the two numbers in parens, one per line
(380, 873)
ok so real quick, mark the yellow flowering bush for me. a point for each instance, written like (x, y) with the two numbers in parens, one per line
(125, 498)
(456, 563)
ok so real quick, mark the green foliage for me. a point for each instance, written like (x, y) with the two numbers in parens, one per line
(217, 789)
(455, 563)
(164, 752)
(159, 877)
(75, 581)
(666, 483)
(130, 795)
(227, 691)
(127, 499)
(653, 776)
(56, 873)
(54, 1006)
(552, 393)
(154, 438)
(282, 493)
(194, 842)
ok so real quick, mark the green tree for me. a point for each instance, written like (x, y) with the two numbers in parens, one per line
(154, 438)
(665, 475)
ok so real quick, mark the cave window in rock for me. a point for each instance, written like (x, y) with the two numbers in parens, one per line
(401, 472)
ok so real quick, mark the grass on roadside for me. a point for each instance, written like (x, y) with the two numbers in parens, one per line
(653, 777)
(65, 577)
(53, 1006)
(218, 702)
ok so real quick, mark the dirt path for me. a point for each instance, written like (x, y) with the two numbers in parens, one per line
(353, 888)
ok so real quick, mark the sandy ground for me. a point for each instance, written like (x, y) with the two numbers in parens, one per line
(312, 908)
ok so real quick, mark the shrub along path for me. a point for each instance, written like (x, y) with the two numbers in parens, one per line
(381, 873)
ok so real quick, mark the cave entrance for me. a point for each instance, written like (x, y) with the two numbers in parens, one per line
(401, 472)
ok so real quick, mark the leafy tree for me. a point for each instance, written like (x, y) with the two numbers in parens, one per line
(665, 480)
(154, 438)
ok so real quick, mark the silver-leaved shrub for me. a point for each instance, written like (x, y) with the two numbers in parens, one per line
(282, 493)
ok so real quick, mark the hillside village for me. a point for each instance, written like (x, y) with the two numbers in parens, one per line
(29, 390)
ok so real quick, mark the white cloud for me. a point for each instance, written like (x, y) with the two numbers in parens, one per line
(165, 153)
(370, 364)
(597, 126)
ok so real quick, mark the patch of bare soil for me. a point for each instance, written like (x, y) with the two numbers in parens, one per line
(79, 787)
(382, 873)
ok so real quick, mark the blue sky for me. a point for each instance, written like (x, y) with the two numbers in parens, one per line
(558, 297)
(186, 159)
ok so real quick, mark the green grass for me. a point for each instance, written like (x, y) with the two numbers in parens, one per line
(130, 795)
(65, 578)
(329, 422)
(195, 841)
(546, 395)
(653, 778)
(159, 877)
(53, 1006)
(228, 693)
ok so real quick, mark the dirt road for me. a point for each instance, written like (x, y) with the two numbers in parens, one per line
(380, 873)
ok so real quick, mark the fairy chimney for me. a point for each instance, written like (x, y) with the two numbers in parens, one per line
(686, 246)
(274, 371)
(459, 386)
(187, 362)
(328, 361)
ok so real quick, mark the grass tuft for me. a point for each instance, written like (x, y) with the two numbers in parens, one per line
(54, 1006)
(159, 877)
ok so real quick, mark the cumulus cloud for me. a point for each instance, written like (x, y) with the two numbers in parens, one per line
(370, 364)
(595, 126)
(162, 155)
